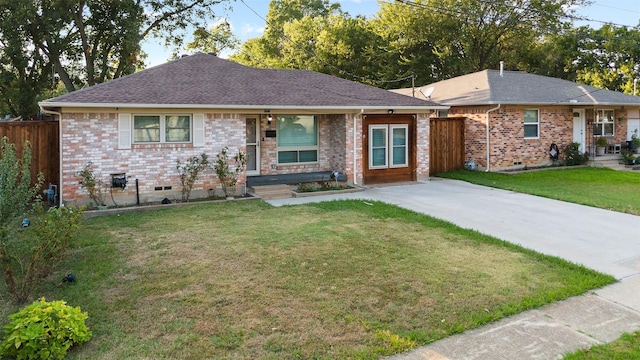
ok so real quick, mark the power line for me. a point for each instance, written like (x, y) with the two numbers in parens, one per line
(445, 10)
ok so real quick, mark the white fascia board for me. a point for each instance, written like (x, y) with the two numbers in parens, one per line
(261, 108)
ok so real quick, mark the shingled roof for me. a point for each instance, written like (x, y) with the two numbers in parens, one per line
(515, 87)
(206, 81)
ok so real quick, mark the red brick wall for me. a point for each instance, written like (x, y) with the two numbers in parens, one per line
(94, 137)
(508, 147)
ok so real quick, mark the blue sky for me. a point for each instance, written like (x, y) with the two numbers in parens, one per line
(246, 24)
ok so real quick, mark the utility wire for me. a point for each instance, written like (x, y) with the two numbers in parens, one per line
(340, 71)
(444, 10)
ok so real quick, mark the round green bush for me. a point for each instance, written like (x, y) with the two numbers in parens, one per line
(44, 330)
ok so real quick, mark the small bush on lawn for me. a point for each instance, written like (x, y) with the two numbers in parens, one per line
(44, 330)
(31, 253)
(573, 156)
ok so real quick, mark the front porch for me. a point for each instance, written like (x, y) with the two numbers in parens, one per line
(291, 179)
(611, 161)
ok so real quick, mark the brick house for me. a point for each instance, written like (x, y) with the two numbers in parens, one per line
(526, 113)
(286, 121)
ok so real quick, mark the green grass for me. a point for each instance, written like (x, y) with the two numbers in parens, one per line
(336, 280)
(598, 187)
(627, 347)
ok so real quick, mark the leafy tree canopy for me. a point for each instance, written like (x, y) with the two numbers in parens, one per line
(83, 42)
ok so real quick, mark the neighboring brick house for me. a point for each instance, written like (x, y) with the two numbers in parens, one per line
(286, 121)
(527, 113)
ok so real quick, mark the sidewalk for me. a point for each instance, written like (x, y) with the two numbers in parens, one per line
(603, 240)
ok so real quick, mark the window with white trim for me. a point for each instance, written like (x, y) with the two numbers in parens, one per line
(161, 128)
(531, 123)
(297, 139)
(604, 125)
(388, 146)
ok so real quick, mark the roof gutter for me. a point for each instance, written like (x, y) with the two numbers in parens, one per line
(488, 137)
(272, 107)
(46, 111)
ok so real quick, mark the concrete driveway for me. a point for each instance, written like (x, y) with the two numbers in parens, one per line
(603, 240)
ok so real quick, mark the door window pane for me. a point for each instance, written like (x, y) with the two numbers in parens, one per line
(251, 130)
(251, 157)
(378, 146)
(399, 150)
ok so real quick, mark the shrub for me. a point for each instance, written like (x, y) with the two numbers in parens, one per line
(229, 176)
(16, 192)
(92, 184)
(628, 158)
(573, 156)
(189, 172)
(31, 253)
(44, 330)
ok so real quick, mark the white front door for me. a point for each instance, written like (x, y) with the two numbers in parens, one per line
(579, 128)
(253, 145)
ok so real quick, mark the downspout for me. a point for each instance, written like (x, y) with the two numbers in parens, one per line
(355, 148)
(488, 143)
(45, 111)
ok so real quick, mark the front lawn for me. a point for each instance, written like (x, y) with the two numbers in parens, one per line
(627, 347)
(336, 280)
(598, 187)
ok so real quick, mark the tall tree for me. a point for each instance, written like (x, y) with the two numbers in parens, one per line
(608, 57)
(87, 42)
(215, 39)
(454, 37)
(266, 51)
(314, 35)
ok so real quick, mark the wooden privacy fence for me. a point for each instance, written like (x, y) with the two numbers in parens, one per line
(446, 145)
(45, 151)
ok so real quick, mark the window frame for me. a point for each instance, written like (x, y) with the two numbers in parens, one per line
(392, 147)
(600, 115)
(389, 147)
(384, 127)
(298, 148)
(531, 124)
(162, 128)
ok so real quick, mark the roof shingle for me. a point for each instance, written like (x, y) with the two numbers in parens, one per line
(515, 87)
(204, 79)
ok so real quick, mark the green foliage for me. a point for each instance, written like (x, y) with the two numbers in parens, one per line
(16, 192)
(216, 39)
(31, 253)
(601, 141)
(628, 158)
(635, 139)
(626, 347)
(79, 43)
(573, 156)
(229, 175)
(92, 184)
(189, 172)
(593, 186)
(44, 330)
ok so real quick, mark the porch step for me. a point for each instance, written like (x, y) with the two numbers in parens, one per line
(611, 161)
(272, 191)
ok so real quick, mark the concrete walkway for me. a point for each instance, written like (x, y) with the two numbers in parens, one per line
(603, 240)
